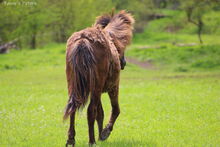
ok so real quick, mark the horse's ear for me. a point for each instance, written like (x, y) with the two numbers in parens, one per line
(113, 12)
(103, 20)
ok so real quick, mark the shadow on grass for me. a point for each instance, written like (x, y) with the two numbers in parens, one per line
(125, 143)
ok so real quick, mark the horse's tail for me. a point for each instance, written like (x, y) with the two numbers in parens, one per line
(83, 68)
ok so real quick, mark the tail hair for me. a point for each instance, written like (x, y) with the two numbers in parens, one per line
(83, 62)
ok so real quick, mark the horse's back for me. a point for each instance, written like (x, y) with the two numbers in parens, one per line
(107, 66)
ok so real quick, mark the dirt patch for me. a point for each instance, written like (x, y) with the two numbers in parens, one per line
(188, 76)
(143, 64)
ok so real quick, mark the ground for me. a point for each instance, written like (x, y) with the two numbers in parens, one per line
(158, 107)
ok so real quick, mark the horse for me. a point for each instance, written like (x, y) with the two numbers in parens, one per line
(94, 58)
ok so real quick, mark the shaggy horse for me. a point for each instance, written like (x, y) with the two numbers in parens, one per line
(94, 58)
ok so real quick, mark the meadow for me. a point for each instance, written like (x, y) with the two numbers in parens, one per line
(159, 106)
(169, 91)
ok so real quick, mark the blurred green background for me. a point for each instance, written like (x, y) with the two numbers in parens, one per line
(169, 90)
(37, 23)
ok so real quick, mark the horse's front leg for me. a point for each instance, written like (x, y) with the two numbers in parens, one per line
(71, 132)
(113, 94)
(91, 115)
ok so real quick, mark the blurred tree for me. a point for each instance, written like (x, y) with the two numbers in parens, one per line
(195, 9)
(8, 22)
(55, 19)
(174, 4)
(24, 21)
(160, 3)
(43, 21)
(71, 16)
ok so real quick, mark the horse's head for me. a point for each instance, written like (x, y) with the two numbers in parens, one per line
(122, 62)
(120, 29)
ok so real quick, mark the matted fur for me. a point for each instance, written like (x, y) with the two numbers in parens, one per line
(93, 57)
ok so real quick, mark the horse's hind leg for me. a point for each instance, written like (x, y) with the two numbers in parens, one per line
(91, 114)
(100, 117)
(71, 132)
(115, 112)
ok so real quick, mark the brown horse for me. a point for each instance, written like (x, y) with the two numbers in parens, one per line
(94, 58)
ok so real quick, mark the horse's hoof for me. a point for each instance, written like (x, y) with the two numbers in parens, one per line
(105, 134)
(70, 143)
(92, 144)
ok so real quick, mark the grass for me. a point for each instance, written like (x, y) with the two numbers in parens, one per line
(176, 58)
(158, 107)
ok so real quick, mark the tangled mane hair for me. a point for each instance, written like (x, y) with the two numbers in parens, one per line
(119, 27)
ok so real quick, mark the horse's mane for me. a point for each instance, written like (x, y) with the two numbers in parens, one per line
(103, 20)
(119, 27)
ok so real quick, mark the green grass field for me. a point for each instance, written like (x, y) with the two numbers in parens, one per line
(158, 107)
